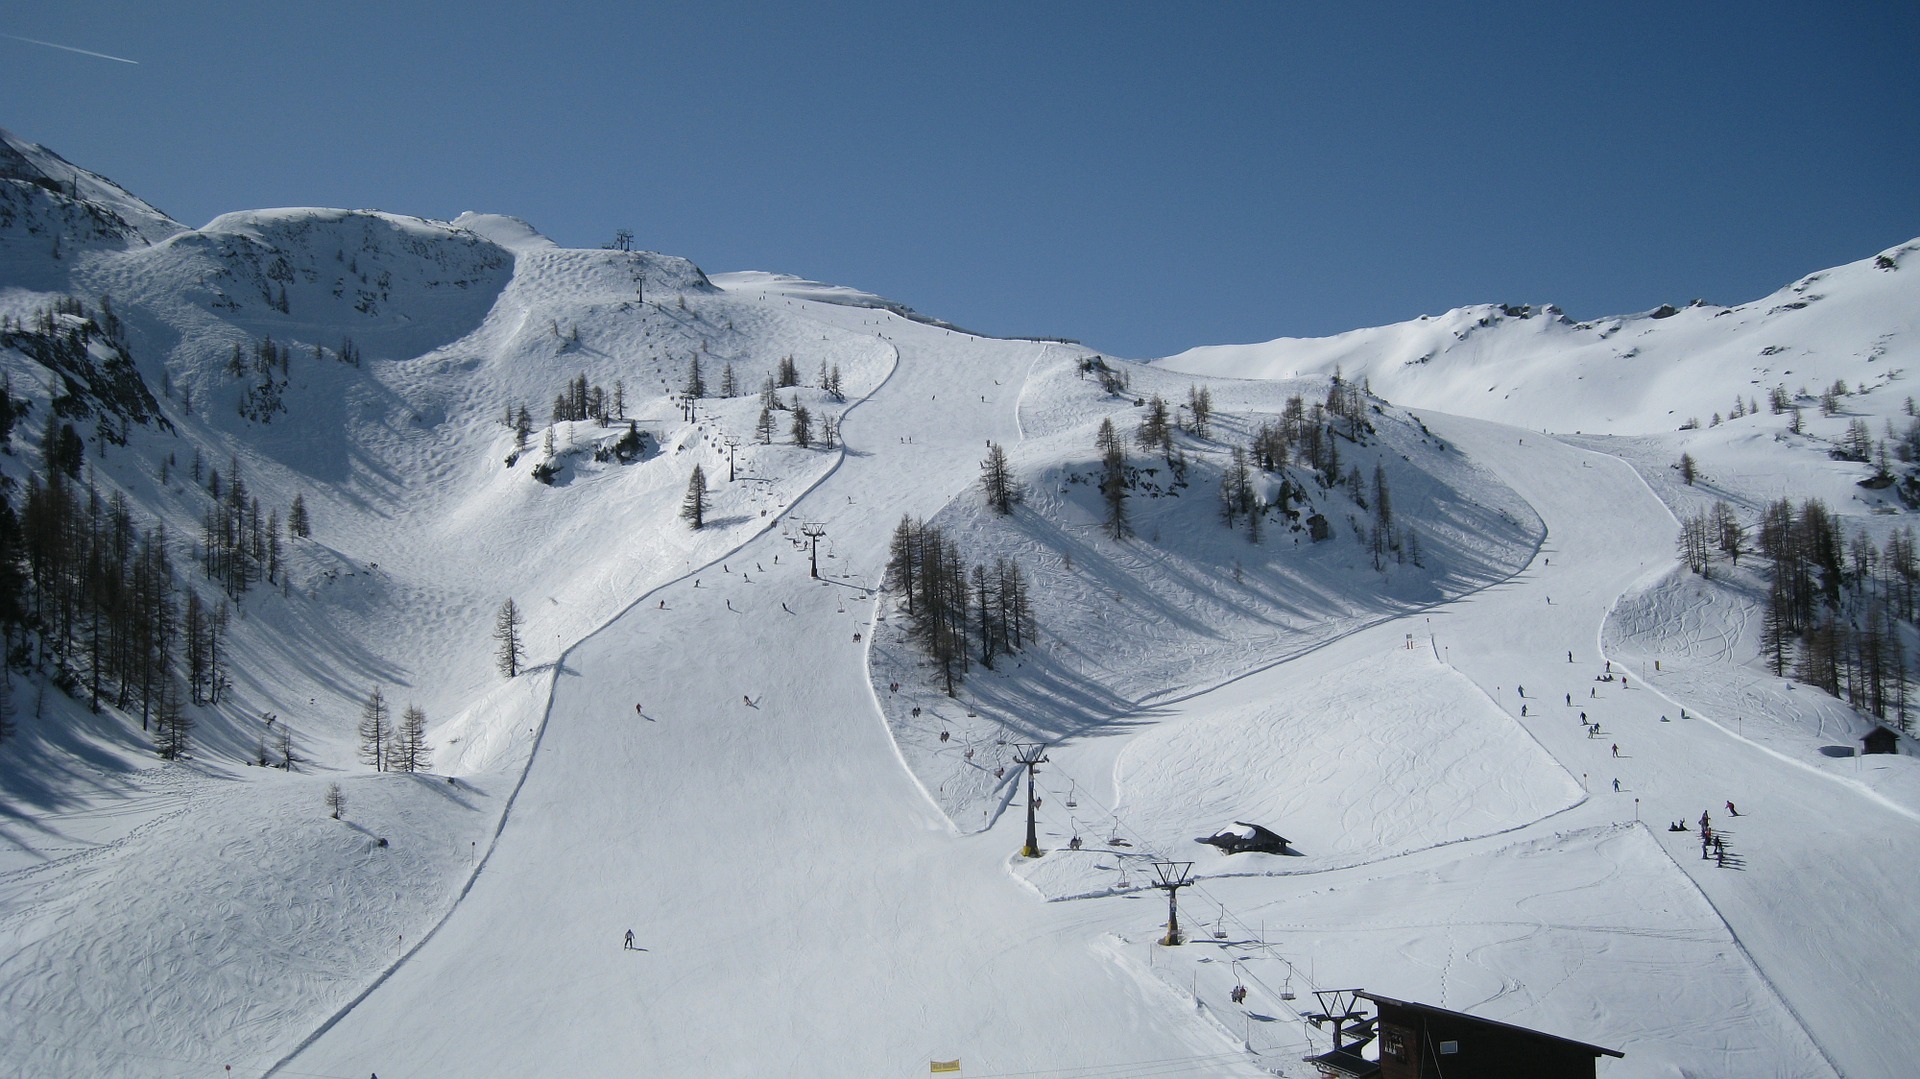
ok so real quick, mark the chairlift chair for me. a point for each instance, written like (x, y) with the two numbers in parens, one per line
(1071, 804)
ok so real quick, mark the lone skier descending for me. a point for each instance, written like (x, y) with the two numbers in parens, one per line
(629, 940)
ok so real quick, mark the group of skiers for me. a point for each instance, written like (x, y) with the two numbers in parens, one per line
(1712, 844)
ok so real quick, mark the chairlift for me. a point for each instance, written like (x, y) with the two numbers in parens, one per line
(1071, 804)
(1220, 927)
(1123, 883)
(1286, 989)
(1002, 739)
(1116, 839)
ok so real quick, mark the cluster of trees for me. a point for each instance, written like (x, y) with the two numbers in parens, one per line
(266, 396)
(238, 547)
(830, 381)
(391, 748)
(579, 401)
(786, 376)
(1834, 601)
(88, 594)
(1310, 435)
(92, 597)
(955, 608)
(800, 425)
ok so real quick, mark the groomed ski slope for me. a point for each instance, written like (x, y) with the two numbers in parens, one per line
(801, 908)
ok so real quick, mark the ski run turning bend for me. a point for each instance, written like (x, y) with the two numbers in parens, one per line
(823, 918)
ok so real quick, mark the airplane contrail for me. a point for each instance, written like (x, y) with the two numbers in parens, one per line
(69, 48)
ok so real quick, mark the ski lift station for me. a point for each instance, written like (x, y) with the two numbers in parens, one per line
(1420, 1041)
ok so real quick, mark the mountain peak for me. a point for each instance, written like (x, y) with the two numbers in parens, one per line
(30, 163)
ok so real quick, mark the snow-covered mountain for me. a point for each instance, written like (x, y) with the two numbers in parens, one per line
(1633, 374)
(735, 741)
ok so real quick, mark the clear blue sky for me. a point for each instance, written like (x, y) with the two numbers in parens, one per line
(1143, 177)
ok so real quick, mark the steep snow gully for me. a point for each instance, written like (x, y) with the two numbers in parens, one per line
(843, 927)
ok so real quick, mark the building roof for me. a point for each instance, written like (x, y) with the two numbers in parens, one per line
(1428, 1009)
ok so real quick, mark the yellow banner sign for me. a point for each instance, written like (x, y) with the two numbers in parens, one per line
(937, 1066)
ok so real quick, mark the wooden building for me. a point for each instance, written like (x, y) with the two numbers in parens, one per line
(1419, 1041)
(1881, 740)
